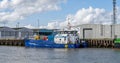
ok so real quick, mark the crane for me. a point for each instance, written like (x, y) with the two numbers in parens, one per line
(114, 12)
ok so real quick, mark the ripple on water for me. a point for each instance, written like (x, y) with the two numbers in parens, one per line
(46, 55)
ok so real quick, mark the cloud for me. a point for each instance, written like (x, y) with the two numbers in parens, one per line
(91, 16)
(30, 26)
(12, 10)
(86, 16)
(51, 25)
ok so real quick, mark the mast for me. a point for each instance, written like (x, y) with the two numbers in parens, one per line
(69, 25)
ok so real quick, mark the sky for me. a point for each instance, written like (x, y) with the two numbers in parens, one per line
(55, 13)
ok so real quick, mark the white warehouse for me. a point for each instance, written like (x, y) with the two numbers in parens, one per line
(99, 31)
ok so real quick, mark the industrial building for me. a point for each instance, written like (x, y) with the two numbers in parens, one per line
(15, 33)
(86, 31)
(6, 32)
(22, 33)
(99, 31)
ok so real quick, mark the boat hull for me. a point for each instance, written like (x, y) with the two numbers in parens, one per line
(48, 44)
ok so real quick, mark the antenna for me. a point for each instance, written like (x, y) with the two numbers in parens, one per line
(18, 24)
(4, 23)
(38, 23)
(38, 26)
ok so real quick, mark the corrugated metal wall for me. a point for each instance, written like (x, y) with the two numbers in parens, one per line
(87, 33)
(117, 30)
(11, 33)
(95, 31)
(106, 31)
(6, 32)
(98, 31)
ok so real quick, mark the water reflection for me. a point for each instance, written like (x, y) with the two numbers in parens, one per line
(50, 55)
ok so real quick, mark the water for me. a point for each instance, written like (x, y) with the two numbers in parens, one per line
(38, 55)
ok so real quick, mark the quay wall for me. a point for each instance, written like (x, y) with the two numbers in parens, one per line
(99, 43)
(12, 42)
(92, 43)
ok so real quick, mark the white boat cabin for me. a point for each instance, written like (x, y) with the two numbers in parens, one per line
(66, 37)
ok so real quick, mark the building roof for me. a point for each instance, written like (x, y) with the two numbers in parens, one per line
(23, 29)
(6, 29)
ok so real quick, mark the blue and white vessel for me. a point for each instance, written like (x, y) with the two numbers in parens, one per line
(60, 39)
(63, 39)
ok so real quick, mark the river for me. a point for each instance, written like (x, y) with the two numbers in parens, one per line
(10, 54)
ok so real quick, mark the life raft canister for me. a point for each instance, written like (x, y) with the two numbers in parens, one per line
(37, 37)
(45, 38)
